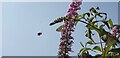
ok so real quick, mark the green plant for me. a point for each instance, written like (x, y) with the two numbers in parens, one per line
(95, 21)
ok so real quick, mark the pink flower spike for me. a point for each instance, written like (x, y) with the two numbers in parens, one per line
(72, 4)
(69, 14)
(70, 9)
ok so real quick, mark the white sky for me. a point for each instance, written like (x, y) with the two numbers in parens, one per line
(0, 29)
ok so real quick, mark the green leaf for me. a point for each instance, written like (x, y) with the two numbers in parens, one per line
(91, 19)
(104, 37)
(101, 27)
(111, 23)
(108, 47)
(93, 10)
(80, 52)
(85, 15)
(90, 42)
(103, 33)
(106, 23)
(103, 21)
(59, 28)
(97, 48)
(77, 20)
(89, 34)
(103, 14)
(88, 14)
(81, 44)
(98, 14)
(91, 27)
(58, 20)
(102, 30)
(85, 50)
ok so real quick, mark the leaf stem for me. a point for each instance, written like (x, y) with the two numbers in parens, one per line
(97, 30)
(101, 45)
(89, 24)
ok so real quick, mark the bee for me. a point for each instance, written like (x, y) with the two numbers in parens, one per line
(39, 34)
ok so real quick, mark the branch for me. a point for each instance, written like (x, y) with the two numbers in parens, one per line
(89, 24)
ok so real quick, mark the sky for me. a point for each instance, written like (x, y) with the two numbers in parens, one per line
(23, 20)
(1, 29)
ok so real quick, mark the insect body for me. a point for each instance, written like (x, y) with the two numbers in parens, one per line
(39, 34)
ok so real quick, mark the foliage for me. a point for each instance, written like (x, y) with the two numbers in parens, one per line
(97, 21)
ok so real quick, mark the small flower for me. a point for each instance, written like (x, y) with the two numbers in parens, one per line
(115, 30)
(72, 4)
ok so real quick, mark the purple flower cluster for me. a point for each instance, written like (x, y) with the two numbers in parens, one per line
(73, 7)
(67, 29)
(115, 30)
(66, 41)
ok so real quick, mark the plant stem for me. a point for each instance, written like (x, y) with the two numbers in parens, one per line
(89, 24)
(101, 45)
(97, 30)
